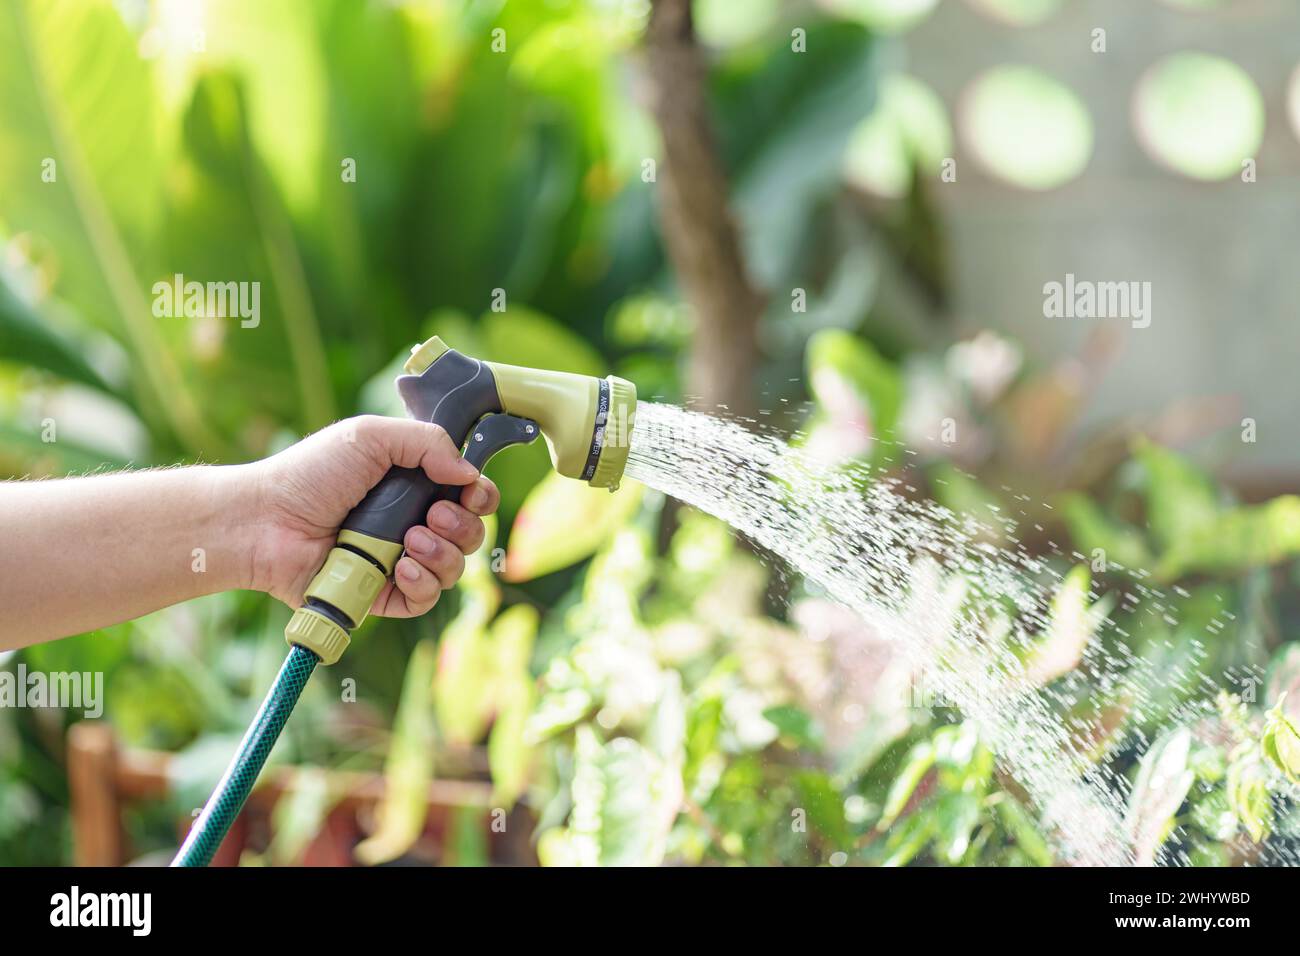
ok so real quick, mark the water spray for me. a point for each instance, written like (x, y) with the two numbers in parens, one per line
(484, 407)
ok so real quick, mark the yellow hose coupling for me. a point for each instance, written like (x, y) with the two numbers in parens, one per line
(348, 583)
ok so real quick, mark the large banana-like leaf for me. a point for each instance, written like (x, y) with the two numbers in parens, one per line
(80, 145)
(231, 199)
(26, 337)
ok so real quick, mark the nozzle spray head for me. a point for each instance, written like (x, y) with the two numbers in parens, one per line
(587, 421)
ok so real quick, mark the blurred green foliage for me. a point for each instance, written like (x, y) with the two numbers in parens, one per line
(626, 672)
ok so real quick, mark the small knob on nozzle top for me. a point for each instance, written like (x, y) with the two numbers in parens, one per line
(424, 355)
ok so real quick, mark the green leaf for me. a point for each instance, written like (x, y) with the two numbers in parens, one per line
(509, 755)
(1163, 782)
(964, 495)
(1020, 823)
(78, 93)
(918, 762)
(233, 191)
(908, 133)
(563, 521)
(62, 457)
(31, 339)
(786, 158)
(1238, 539)
(276, 49)
(1249, 795)
(466, 842)
(1210, 854)
(558, 710)
(298, 816)
(1093, 531)
(703, 731)
(910, 839)
(724, 23)
(462, 688)
(1180, 499)
(463, 683)
(958, 814)
(1071, 625)
(798, 728)
(825, 807)
(665, 732)
(1281, 742)
(1214, 816)
(369, 82)
(623, 805)
(956, 746)
(409, 766)
(856, 388)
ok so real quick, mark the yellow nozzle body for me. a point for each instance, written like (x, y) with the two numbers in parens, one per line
(570, 409)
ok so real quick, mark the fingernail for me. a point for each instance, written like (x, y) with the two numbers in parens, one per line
(468, 469)
(408, 570)
(421, 543)
(474, 498)
(444, 520)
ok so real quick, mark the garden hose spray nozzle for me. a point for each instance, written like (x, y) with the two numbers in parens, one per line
(483, 406)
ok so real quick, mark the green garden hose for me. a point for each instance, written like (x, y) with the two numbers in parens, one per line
(228, 798)
(484, 407)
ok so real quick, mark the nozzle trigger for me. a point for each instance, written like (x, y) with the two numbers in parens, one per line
(495, 432)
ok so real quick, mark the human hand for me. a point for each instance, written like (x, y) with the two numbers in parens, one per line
(304, 493)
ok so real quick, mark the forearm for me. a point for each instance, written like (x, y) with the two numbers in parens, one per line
(82, 553)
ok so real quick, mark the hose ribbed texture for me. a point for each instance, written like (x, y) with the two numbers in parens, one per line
(228, 798)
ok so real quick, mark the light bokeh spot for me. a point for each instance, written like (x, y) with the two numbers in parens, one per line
(889, 16)
(1293, 101)
(1026, 128)
(1197, 4)
(1199, 115)
(1018, 12)
(725, 23)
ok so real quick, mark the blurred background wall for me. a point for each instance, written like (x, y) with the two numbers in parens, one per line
(1220, 253)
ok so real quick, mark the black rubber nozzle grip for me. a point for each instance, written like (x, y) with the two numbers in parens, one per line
(454, 392)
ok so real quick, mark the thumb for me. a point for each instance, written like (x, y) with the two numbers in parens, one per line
(414, 444)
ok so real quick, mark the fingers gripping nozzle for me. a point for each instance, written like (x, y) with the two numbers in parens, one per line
(340, 596)
(484, 407)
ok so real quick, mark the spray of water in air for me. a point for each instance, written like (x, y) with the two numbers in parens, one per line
(962, 611)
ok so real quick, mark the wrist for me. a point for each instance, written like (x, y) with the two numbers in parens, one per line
(238, 495)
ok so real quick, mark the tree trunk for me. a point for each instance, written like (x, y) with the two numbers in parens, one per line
(697, 225)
